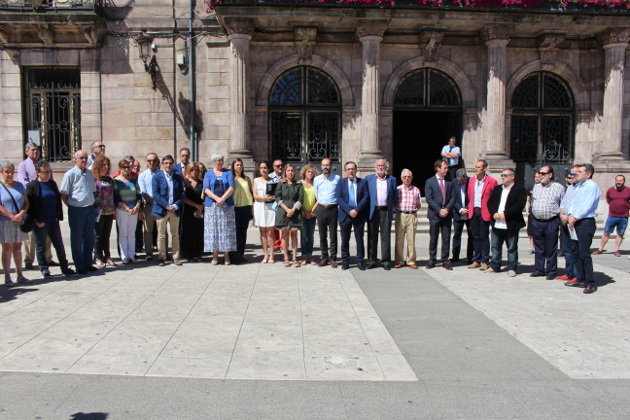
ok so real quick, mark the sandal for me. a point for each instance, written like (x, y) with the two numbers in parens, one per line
(215, 261)
(287, 263)
(110, 263)
(303, 262)
(296, 263)
(271, 261)
(22, 279)
(264, 260)
(98, 263)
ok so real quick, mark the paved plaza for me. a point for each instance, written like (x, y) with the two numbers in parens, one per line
(265, 341)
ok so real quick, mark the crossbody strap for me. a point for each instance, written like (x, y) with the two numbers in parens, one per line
(13, 199)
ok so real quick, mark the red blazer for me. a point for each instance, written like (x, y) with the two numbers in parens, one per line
(488, 186)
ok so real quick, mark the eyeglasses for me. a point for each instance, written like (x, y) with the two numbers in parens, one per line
(506, 175)
(125, 167)
(102, 146)
(278, 166)
(544, 173)
(44, 172)
(82, 158)
(572, 174)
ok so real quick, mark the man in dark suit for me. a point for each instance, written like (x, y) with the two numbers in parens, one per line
(168, 196)
(352, 200)
(440, 200)
(460, 217)
(184, 156)
(382, 190)
(506, 204)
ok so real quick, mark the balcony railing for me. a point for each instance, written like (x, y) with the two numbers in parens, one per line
(50, 6)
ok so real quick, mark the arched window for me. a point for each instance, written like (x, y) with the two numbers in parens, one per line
(427, 88)
(542, 120)
(304, 116)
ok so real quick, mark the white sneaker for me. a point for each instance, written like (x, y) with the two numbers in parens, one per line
(512, 273)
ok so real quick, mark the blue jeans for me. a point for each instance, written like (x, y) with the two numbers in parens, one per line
(82, 221)
(585, 229)
(307, 236)
(54, 232)
(510, 237)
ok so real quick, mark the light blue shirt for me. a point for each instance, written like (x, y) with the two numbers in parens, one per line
(79, 186)
(326, 189)
(454, 149)
(169, 181)
(585, 200)
(145, 182)
(567, 199)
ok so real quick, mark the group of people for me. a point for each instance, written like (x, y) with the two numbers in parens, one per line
(209, 211)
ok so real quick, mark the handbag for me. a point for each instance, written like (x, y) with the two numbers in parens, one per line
(27, 224)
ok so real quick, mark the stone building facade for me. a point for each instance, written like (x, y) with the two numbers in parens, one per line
(303, 80)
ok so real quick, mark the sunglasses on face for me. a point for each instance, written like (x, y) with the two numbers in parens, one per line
(506, 175)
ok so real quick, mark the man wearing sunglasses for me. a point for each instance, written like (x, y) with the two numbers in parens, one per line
(568, 250)
(96, 148)
(545, 220)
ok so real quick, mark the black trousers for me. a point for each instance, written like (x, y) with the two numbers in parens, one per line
(243, 215)
(102, 231)
(380, 223)
(481, 238)
(585, 229)
(458, 230)
(327, 225)
(346, 228)
(437, 228)
(545, 234)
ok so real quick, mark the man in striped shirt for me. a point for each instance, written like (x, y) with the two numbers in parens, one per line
(409, 203)
(545, 208)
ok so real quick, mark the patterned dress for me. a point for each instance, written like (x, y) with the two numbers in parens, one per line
(219, 221)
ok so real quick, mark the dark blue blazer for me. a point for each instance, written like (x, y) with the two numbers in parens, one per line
(160, 193)
(392, 196)
(178, 169)
(459, 204)
(344, 208)
(433, 197)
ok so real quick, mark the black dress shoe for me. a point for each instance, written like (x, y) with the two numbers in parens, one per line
(430, 264)
(590, 288)
(345, 266)
(550, 277)
(361, 266)
(534, 274)
(454, 260)
(371, 264)
(92, 269)
(387, 266)
(82, 271)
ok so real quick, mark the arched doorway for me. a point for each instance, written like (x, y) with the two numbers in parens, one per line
(542, 125)
(305, 117)
(427, 112)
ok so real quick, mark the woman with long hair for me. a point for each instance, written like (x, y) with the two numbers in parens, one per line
(219, 223)
(191, 233)
(307, 233)
(264, 215)
(127, 200)
(13, 208)
(289, 197)
(104, 203)
(243, 200)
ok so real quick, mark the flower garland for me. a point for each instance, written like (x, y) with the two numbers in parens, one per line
(483, 4)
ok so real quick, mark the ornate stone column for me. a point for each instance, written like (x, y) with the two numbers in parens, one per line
(370, 34)
(239, 34)
(496, 39)
(614, 43)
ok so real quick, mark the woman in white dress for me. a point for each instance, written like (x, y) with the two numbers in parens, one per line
(264, 215)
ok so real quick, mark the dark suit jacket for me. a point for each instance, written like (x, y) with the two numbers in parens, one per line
(392, 196)
(178, 169)
(459, 204)
(344, 207)
(34, 193)
(433, 197)
(514, 206)
(160, 194)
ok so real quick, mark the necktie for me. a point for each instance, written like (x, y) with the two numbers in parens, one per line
(443, 191)
(351, 200)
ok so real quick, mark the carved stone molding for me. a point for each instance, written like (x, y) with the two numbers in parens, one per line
(371, 28)
(239, 26)
(304, 40)
(491, 33)
(90, 36)
(46, 35)
(4, 37)
(614, 36)
(430, 41)
(548, 47)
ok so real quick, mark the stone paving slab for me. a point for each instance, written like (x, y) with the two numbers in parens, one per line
(204, 321)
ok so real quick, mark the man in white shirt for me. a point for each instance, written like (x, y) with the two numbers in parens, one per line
(506, 205)
(451, 154)
(96, 148)
(146, 189)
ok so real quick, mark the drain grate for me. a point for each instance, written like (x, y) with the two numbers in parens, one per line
(341, 362)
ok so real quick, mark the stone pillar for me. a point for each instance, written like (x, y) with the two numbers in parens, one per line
(370, 34)
(239, 35)
(614, 43)
(496, 147)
